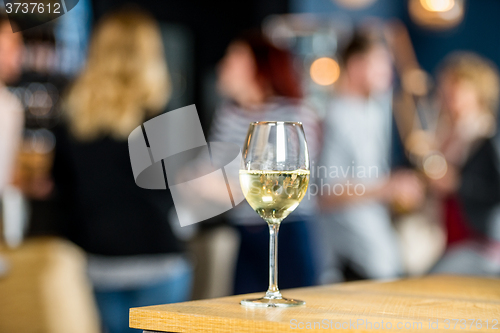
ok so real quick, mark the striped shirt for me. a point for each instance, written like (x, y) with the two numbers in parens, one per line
(231, 123)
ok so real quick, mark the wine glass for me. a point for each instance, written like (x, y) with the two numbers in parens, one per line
(274, 176)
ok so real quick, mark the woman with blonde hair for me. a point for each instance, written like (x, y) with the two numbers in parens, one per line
(468, 88)
(134, 257)
(125, 81)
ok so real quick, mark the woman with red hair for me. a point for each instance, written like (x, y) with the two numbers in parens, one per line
(259, 83)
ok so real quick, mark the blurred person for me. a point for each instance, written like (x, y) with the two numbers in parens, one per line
(134, 257)
(11, 110)
(260, 84)
(468, 88)
(356, 184)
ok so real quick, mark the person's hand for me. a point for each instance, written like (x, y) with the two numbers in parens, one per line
(405, 190)
(447, 184)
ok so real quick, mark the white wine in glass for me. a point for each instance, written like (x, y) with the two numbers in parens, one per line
(274, 176)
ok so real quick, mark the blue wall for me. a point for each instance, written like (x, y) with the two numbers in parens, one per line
(478, 32)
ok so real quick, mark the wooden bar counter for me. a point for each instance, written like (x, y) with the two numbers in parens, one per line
(432, 303)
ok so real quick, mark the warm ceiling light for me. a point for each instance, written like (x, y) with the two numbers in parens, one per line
(325, 71)
(437, 14)
(438, 5)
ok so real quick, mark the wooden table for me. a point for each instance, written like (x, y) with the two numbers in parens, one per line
(410, 305)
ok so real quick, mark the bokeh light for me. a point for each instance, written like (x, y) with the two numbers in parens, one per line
(416, 81)
(325, 71)
(437, 14)
(438, 5)
(419, 144)
(435, 166)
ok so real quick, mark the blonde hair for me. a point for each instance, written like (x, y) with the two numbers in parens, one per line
(125, 80)
(478, 71)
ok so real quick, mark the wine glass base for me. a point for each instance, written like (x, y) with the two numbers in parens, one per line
(266, 302)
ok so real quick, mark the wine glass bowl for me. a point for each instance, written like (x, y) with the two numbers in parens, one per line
(274, 177)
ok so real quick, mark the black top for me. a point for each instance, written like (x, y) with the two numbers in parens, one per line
(105, 212)
(480, 188)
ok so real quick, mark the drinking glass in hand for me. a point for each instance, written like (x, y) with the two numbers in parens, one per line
(274, 177)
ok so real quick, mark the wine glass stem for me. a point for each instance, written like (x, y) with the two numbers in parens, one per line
(273, 290)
